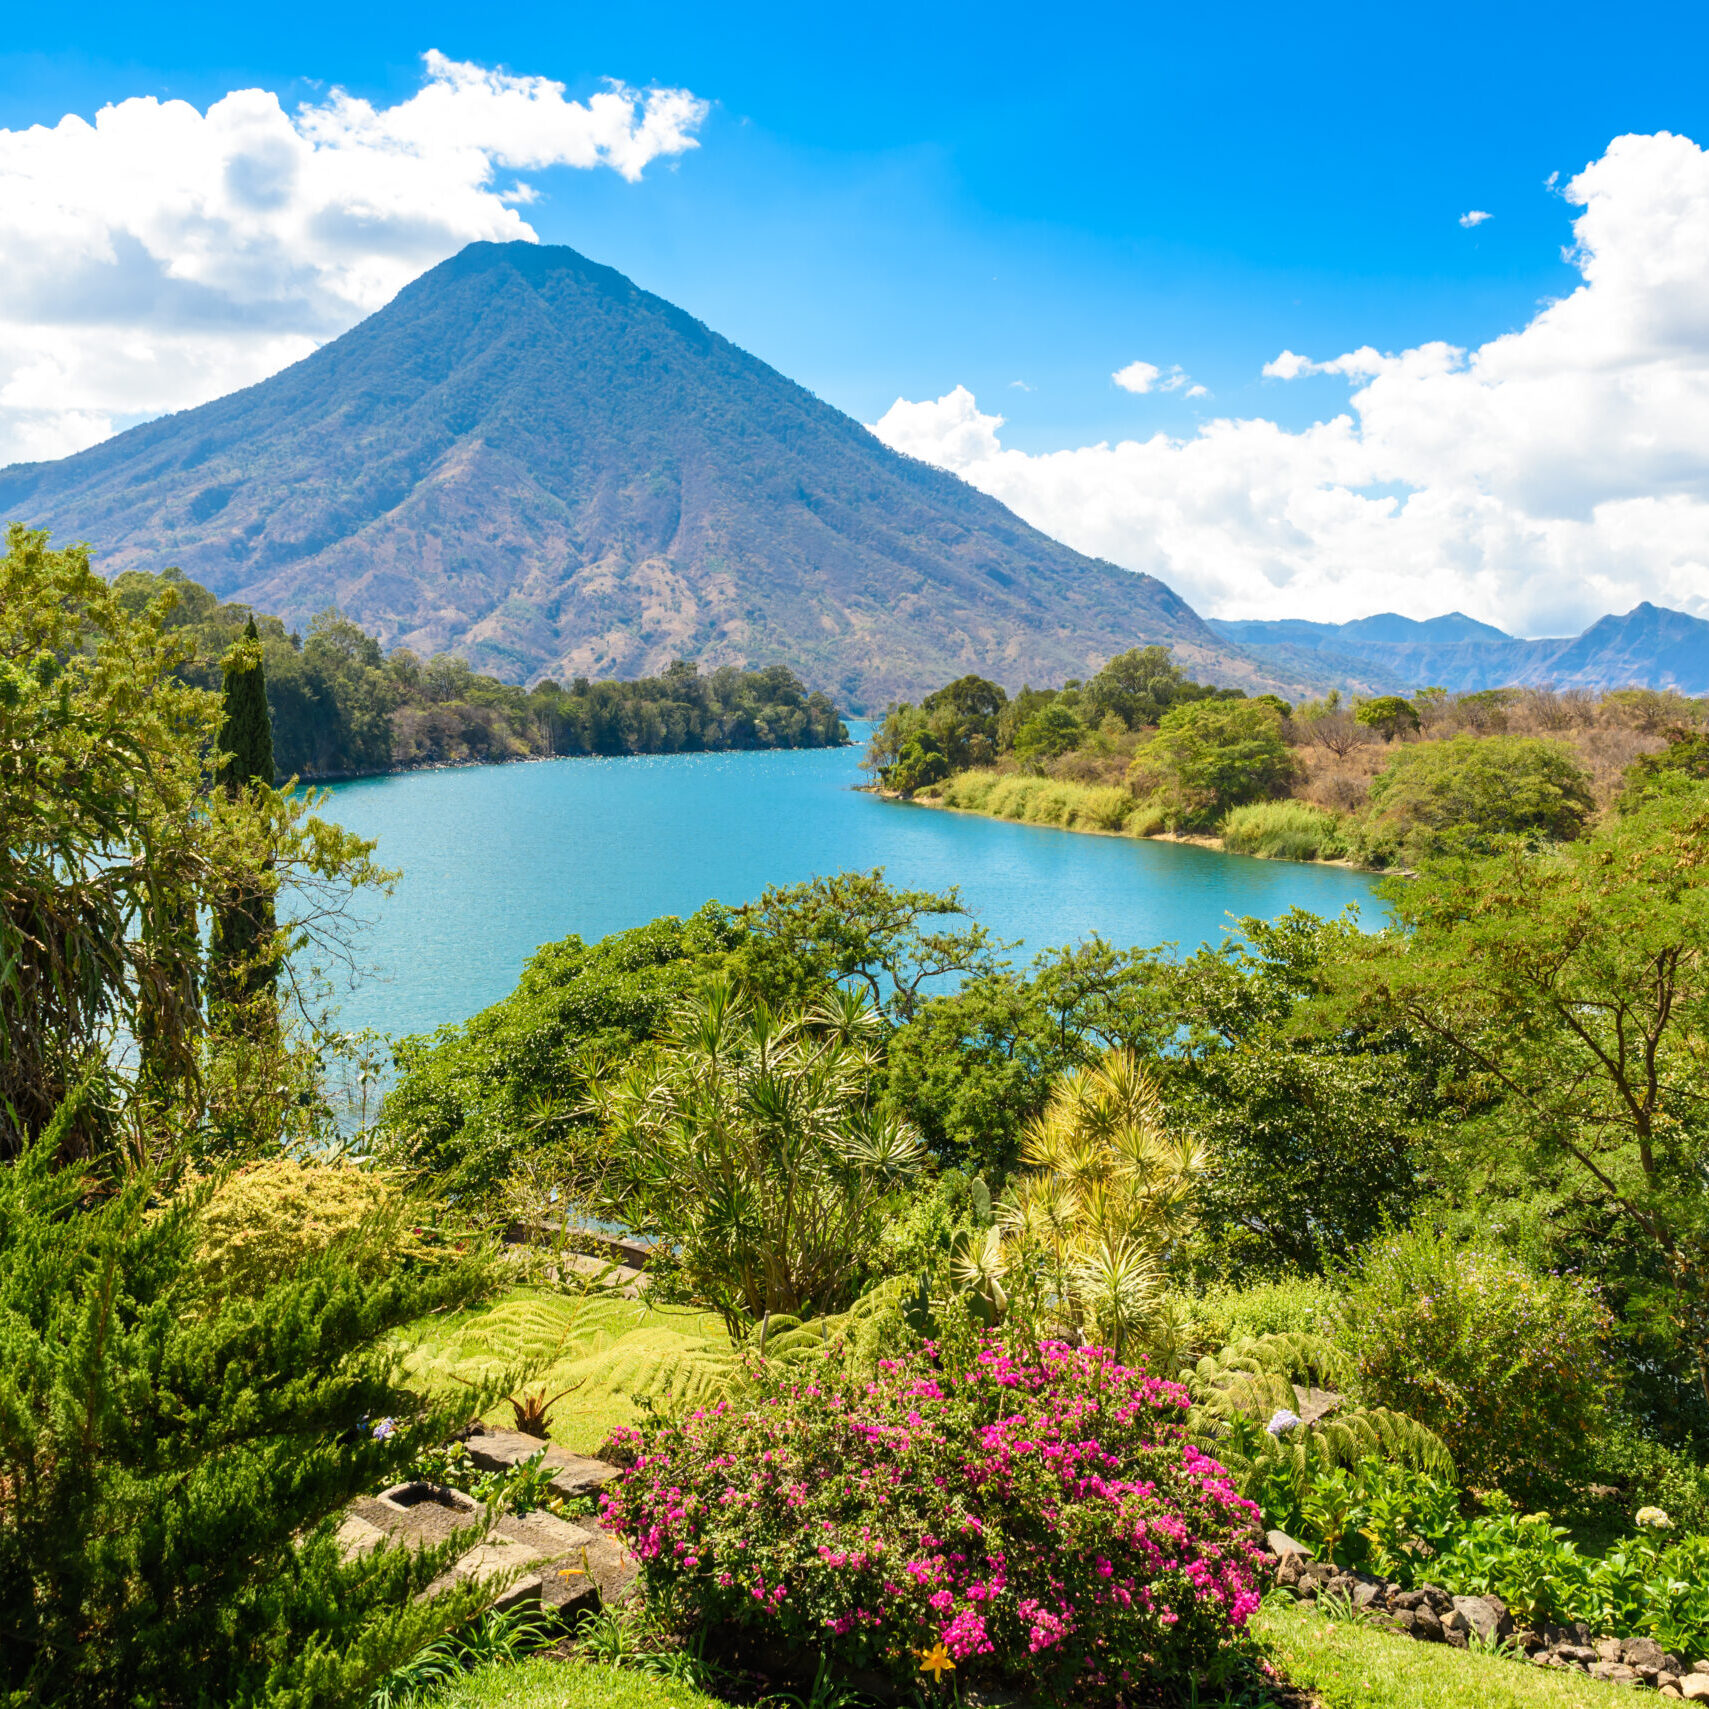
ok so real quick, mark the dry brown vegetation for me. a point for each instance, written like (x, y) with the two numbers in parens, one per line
(1338, 756)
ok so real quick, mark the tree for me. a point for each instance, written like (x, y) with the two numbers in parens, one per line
(1575, 980)
(175, 1464)
(921, 763)
(1138, 686)
(1479, 787)
(114, 844)
(1389, 715)
(968, 697)
(1212, 755)
(854, 927)
(246, 926)
(1051, 731)
(748, 1142)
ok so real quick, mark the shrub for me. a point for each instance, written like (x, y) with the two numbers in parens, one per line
(174, 1468)
(749, 1144)
(264, 1221)
(1301, 1305)
(1284, 830)
(1411, 1527)
(1213, 755)
(1505, 1364)
(1038, 1521)
(1473, 788)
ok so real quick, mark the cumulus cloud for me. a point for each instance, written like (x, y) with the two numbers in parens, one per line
(160, 255)
(1476, 217)
(1137, 376)
(1148, 377)
(1537, 481)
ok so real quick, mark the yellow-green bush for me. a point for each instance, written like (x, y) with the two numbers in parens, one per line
(264, 1220)
(1284, 830)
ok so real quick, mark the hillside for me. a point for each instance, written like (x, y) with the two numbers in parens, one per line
(528, 460)
(1650, 647)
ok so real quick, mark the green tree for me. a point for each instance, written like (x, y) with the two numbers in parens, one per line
(1213, 755)
(1574, 982)
(1686, 755)
(114, 844)
(246, 927)
(175, 1465)
(1472, 787)
(1138, 686)
(854, 928)
(921, 763)
(1051, 731)
(1389, 715)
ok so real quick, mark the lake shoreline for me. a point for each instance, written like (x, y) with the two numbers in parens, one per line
(1192, 838)
(314, 779)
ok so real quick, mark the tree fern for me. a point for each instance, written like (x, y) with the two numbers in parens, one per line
(1238, 1393)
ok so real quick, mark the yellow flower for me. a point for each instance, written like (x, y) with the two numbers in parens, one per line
(936, 1662)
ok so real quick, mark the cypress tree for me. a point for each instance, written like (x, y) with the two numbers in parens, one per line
(244, 927)
(246, 731)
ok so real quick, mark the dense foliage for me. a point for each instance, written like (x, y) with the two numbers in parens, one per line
(173, 1461)
(114, 848)
(1413, 1528)
(1508, 1366)
(1385, 782)
(1036, 1521)
(749, 1145)
(1209, 757)
(341, 705)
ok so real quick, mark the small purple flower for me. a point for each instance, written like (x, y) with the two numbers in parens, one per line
(382, 1428)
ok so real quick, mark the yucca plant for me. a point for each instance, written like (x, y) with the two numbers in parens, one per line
(748, 1143)
(1109, 1193)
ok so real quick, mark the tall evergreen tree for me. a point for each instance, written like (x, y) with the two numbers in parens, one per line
(244, 968)
(246, 731)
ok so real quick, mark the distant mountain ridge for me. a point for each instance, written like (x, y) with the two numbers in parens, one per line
(1649, 647)
(527, 459)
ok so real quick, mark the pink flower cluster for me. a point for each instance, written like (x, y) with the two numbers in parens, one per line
(1028, 1515)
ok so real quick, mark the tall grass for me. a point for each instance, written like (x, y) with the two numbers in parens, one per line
(1046, 801)
(1284, 830)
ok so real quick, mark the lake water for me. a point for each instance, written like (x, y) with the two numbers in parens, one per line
(499, 859)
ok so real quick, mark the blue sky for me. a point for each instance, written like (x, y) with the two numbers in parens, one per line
(896, 202)
(898, 199)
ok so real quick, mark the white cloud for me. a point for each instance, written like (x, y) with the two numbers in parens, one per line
(1476, 217)
(1147, 377)
(1137, 376)
(162, 256)
(1548, 476)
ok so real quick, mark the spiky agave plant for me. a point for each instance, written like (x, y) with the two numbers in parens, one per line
(1109, 1193)
(1244, 1400)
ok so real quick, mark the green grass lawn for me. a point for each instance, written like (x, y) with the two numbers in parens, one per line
(1346, 1666)
(565, 1685)
(1358, 1667)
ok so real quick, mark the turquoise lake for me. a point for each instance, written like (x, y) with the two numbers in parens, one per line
(497, 860)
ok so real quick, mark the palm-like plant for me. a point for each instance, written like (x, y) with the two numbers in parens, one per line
(1110, 1192)
(746, 1141)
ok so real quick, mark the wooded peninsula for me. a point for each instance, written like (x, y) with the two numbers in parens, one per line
(344, 707)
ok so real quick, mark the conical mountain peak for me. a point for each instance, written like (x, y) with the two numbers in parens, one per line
(530, 460)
